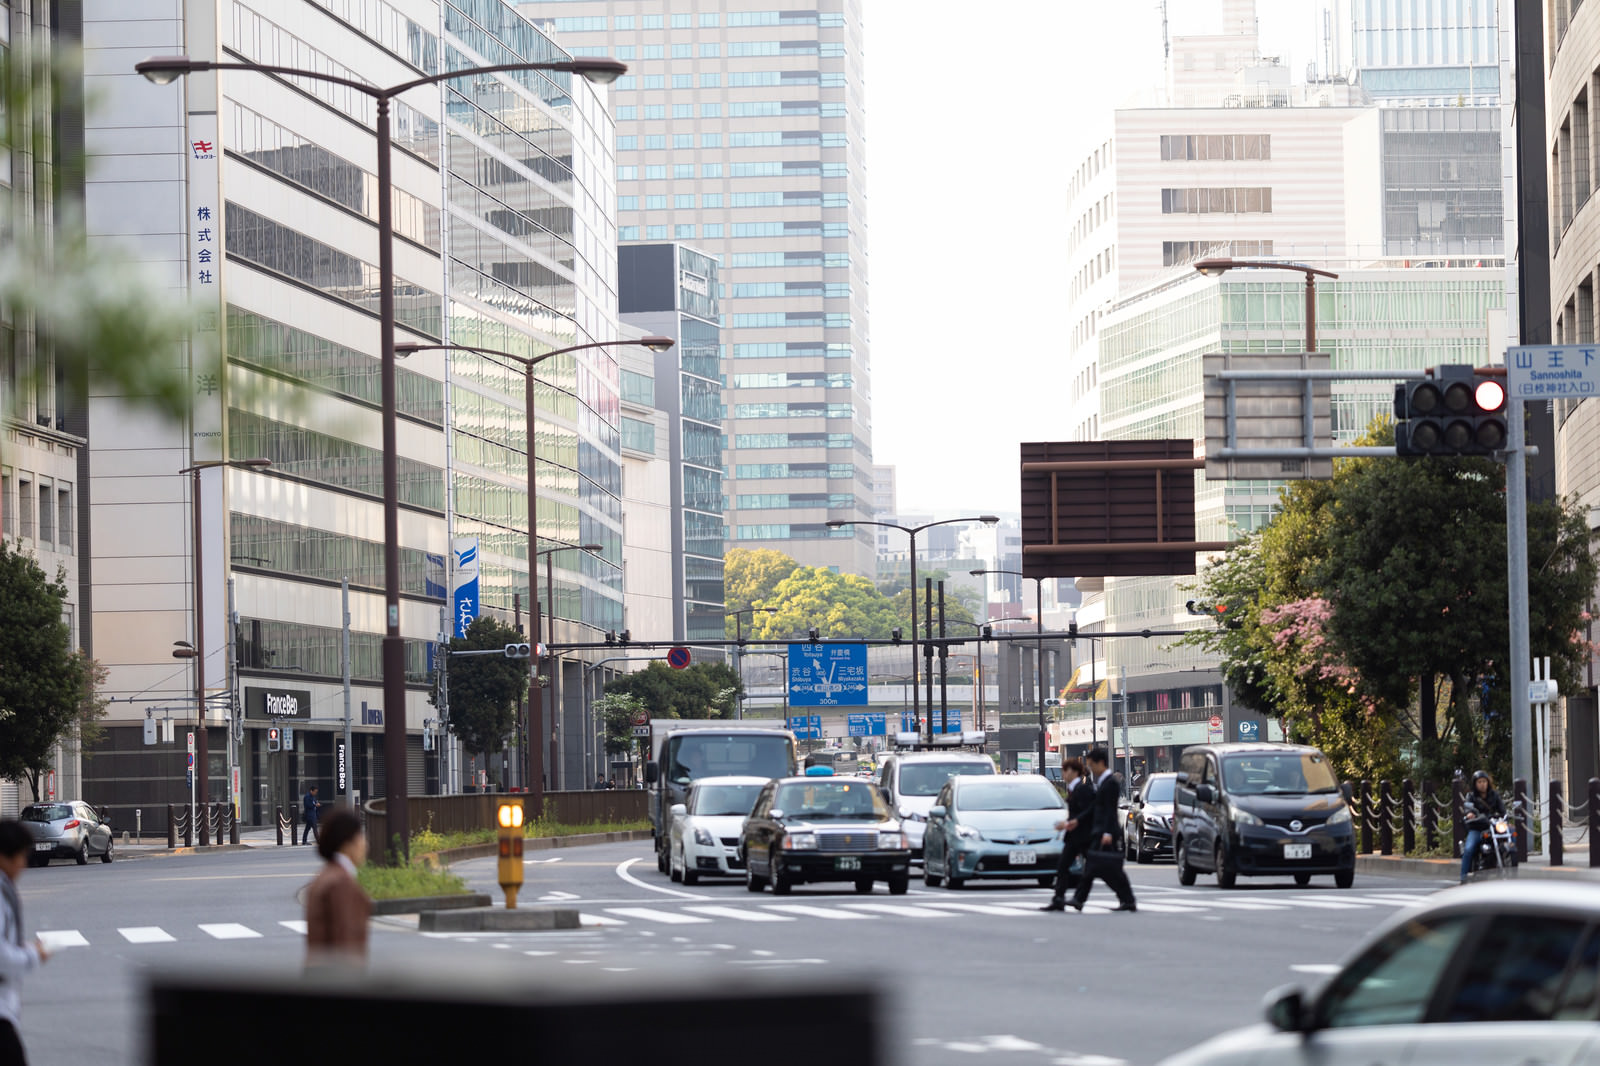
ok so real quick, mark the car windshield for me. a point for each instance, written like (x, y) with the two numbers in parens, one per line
(1003, 795)
(1277, 773)
(696, 755)
(725, 799)
(1159, 790)
(927, 778)
(46, 812)
(823, 798)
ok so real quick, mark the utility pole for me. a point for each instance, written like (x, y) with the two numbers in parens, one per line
(343, 770)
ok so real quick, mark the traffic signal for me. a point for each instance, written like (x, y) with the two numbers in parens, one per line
(1218, 611)
(894, 634)
(988, 632)
(624, 637)
(274, 739)
(518, 651)
(611, 636)
(1459, 411)
(813, 636)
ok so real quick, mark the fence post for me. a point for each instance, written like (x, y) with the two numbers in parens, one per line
(1519, 792)
(1366, 816)
(1385, 818)
(172, 826)
(277, 821)
(1430, 817)
(1558, 844)
(1408, 817)
(1592, 809)
(1458, 824)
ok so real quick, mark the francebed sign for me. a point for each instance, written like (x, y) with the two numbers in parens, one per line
(273, 704)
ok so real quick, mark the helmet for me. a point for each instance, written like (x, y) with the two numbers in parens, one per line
(1480, 775)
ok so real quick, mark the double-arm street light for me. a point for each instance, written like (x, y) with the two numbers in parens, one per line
(1038, 622)
(535, 766)
(197, 651)
(911, 533)
(1217, 267)
(165, 69)
(738, 636)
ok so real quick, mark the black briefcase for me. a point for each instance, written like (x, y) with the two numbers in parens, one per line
(1102, 859)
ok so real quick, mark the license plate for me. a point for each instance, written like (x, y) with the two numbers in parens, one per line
(1023, 857)
(847, 862)
(43, 845)
(1297, 851)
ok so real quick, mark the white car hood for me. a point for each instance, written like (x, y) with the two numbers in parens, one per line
(918, 804)
(718, 825)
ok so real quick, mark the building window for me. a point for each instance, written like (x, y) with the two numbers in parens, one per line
(627, 233)
(683, 111)
(683, 140)
(1175, 253)
(683, 171)
(657, 172)
(711, 140)
(8, 505)
(627, 173)
(710, 51)
(1216, 146)
(1224, 200)
(683, 81)
(709, 19)
(683, 202)
(682, 51)
(654, 142)
(655, 233)
(711, 231)
(710, 170)
(655, 111)
(710, 81)
(653, 51)
(47, 515)
(683, 233)
(25, 505)
(627, 203)
(655, 203)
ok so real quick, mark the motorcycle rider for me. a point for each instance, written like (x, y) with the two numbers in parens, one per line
(1489, 805)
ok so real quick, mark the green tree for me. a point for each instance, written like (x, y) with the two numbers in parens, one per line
(836, 605)
(46, 688)
(616, 712)
(749, 577)
(484, 689)
(701, 690)
(957, 610)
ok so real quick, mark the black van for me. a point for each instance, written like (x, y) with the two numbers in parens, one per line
(1261, 810)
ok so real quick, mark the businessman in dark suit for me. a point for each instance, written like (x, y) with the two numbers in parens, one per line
(1076, 830)
(1104, 859)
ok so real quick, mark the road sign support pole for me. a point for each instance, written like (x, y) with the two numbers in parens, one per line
(1520, 668)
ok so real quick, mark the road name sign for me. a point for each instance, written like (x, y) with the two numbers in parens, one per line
(827, 675)
(1553, 371)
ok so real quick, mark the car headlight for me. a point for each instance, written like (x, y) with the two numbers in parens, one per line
(1339, 816)
(702, 835)
(892, 841)
(912, 816)
(800, 842)
(1244, 817)
(966, 832)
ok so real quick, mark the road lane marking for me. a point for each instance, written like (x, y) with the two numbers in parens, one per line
(146, 934)
(1330, 903)
(818, 912)
(553, 858)
(980, 908)
(1315, 967)
(622, 872)
(229, 931)
(649, 914)
(56, 939)
(899, 910)
(588, 920)
(1242, 905)
(740, 914)
(298, 925)
(777, 962)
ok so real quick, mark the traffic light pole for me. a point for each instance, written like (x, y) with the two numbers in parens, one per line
(1517, 589)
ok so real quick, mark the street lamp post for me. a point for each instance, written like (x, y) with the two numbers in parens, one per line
(550, 607)
(738, 636)
(1217, 267)
(911, 533)
(197, 651)
(535, 766)
(163, 70)
(1038, 621)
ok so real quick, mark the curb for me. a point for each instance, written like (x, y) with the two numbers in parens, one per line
(484, 851)
(497, 919)
(430, 904)
(159, 853)
(1448, 869)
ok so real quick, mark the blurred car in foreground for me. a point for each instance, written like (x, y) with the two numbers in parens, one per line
(66, 831)
(993, 827)
(705, 827)
(1505, 972)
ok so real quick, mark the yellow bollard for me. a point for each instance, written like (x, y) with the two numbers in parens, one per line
(510, 837)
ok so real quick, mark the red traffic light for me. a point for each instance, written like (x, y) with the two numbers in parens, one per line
(1490, 395)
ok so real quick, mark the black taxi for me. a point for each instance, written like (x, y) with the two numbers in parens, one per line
(823, 828)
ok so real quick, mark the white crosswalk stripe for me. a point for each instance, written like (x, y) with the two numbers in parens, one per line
(295, 927)
(740, 914)
(981, 908)
(650, 914)
(56, 939)
(899, 910)
(820, 912)
(146, 934)
(229, 931)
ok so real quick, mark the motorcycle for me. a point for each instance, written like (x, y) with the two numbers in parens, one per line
(1497, 850)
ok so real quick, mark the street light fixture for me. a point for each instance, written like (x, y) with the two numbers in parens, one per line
(738, 636)
(911, 532)
(1038, 618)
(535, 767)
(163, 70)
(196, 651)
(1215, 268)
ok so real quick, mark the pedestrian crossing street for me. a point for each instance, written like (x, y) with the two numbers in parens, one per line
(932, 906)
(57, 939)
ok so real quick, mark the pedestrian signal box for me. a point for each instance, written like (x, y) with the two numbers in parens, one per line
(274, 739)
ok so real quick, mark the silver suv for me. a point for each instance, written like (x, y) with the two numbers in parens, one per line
(913, 779)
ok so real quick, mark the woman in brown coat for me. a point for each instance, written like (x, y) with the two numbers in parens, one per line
(336, 906)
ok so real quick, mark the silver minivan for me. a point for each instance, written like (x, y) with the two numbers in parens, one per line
(913, 779)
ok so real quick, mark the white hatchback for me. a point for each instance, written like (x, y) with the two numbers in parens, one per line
(1495, 973)
(704, 840)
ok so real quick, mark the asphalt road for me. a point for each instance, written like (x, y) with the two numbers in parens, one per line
(976, 971)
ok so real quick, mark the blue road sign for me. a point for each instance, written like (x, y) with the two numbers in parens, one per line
(869, 725)
(1249, 732)
(945, 721)
(806, 727)
(908, 721)
(827, 675)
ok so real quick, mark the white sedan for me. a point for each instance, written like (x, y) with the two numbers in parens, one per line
(704, 839)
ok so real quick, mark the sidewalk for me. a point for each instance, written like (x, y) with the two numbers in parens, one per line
(153, 844)
(1575, 867)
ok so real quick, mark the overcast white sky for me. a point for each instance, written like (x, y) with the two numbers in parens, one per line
(976, 115)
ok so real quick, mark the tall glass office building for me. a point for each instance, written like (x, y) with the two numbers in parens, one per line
(258, 196)
(739, 130)
(1435, 53)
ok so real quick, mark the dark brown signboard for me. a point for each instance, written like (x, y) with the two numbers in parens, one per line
(1110, 508)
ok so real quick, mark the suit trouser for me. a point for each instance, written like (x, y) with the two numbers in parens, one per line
(1066, 880)
(1106, 864)
(11, 1053)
